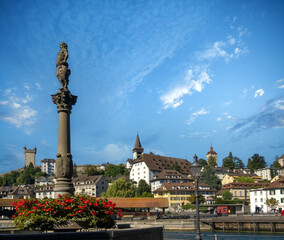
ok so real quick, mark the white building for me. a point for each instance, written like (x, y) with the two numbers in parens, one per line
(90, 185)
(274, 190)
(167, 176)
(265, 173)
(45, 192)
(146, 166)
(48, 166)
(44, 181)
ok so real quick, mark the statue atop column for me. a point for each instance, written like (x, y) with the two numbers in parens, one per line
(62, 70)
(64, 101)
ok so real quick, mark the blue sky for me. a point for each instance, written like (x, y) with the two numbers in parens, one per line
(184, 74)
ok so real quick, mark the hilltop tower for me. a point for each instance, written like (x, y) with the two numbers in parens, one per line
(211, 153)
(137, 150)
(29, 156)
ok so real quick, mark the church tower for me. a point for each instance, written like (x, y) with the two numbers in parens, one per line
(212, 154)
(29, 156)
(137, 150)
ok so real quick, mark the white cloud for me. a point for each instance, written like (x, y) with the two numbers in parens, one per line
(230, 49)
(280, 83)
(225, 104)
(112, 152)
(280, 105)
(259, 93)
(16, 112)
(194, 115)
(38, 86)
(194, 80)
(219, 119)
(246, 91)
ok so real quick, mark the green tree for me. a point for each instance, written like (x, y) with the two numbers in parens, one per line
(202, 162)
(192, 199)
(143, 187)
(113, 170)
(229, 161)
(256, 162)
(176, 167)
(271, 203)
(120, 188)
(243, 179)
(212, 161)
(238, 163)
(275, 164)
(92, 170)
(208, 176)
(227, 195)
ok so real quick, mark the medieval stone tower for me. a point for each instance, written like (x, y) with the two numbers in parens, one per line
(29, 156)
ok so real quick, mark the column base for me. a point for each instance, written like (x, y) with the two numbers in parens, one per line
(63, 186)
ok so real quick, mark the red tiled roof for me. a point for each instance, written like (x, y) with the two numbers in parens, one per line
(159, 163)
(48, 160)
(277, 184)
(212, 152)
(168, 174)
(138, 145)
(140, 202)
(185, 187)
(235, 185)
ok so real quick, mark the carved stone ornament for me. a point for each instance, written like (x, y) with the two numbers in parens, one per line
(64, 166)
(64, 99)
(62, 70)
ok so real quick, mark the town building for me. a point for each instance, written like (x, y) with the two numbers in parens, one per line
(258, 197)
(240, 190)
(281, 160)
(266, 172)
(44, 181)
(45, 192)
(20, 192)
(220, 172)
(212, 154)
(231, 177)
(146, 166)
(178, 193)
(90, 185)
(29, 156)
(48, 166)
(167, 176)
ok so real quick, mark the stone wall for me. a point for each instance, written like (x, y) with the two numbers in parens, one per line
(153, 233)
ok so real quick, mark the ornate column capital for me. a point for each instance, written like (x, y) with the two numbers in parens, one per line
(64, 100)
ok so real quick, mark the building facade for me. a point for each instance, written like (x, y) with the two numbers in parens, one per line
(178, 193)
(48, 166)
(90, 185)
(212, 154)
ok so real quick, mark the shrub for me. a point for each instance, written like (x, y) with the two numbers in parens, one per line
(44, 214)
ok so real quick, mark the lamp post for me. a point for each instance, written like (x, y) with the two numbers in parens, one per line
(196, 170)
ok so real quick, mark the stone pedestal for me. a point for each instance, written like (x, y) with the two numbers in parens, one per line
(64, 101)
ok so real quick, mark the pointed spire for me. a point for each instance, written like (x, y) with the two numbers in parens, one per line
(137, 143)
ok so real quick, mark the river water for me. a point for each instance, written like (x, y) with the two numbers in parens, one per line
(177, 235)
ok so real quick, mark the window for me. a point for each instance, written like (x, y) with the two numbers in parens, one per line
(255, 200)
(282, 200)
(261, 200)
(272, 192)
(281, 191)
(260, 192)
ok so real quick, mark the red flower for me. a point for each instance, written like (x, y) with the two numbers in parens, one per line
(59, 195)
(54, 212)
(120, 210)
(13, 216)
(107, 212)
(71, 215)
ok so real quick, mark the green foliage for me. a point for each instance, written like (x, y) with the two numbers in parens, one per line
(34, 214)
(92, 171)
(227, 195)
(271, 203)
(243, 179)
(229, 161)
(176, 167)
(192, 199)
(212, 161)
(208, 176)
(275, 164)
(202, 162)
(238, 163)
(25, 177)
(143, 189)
(256, 162)
(113, 170)
(188, 206)
(121, 188)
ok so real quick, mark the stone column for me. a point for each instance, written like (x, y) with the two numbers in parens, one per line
(64, 101)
